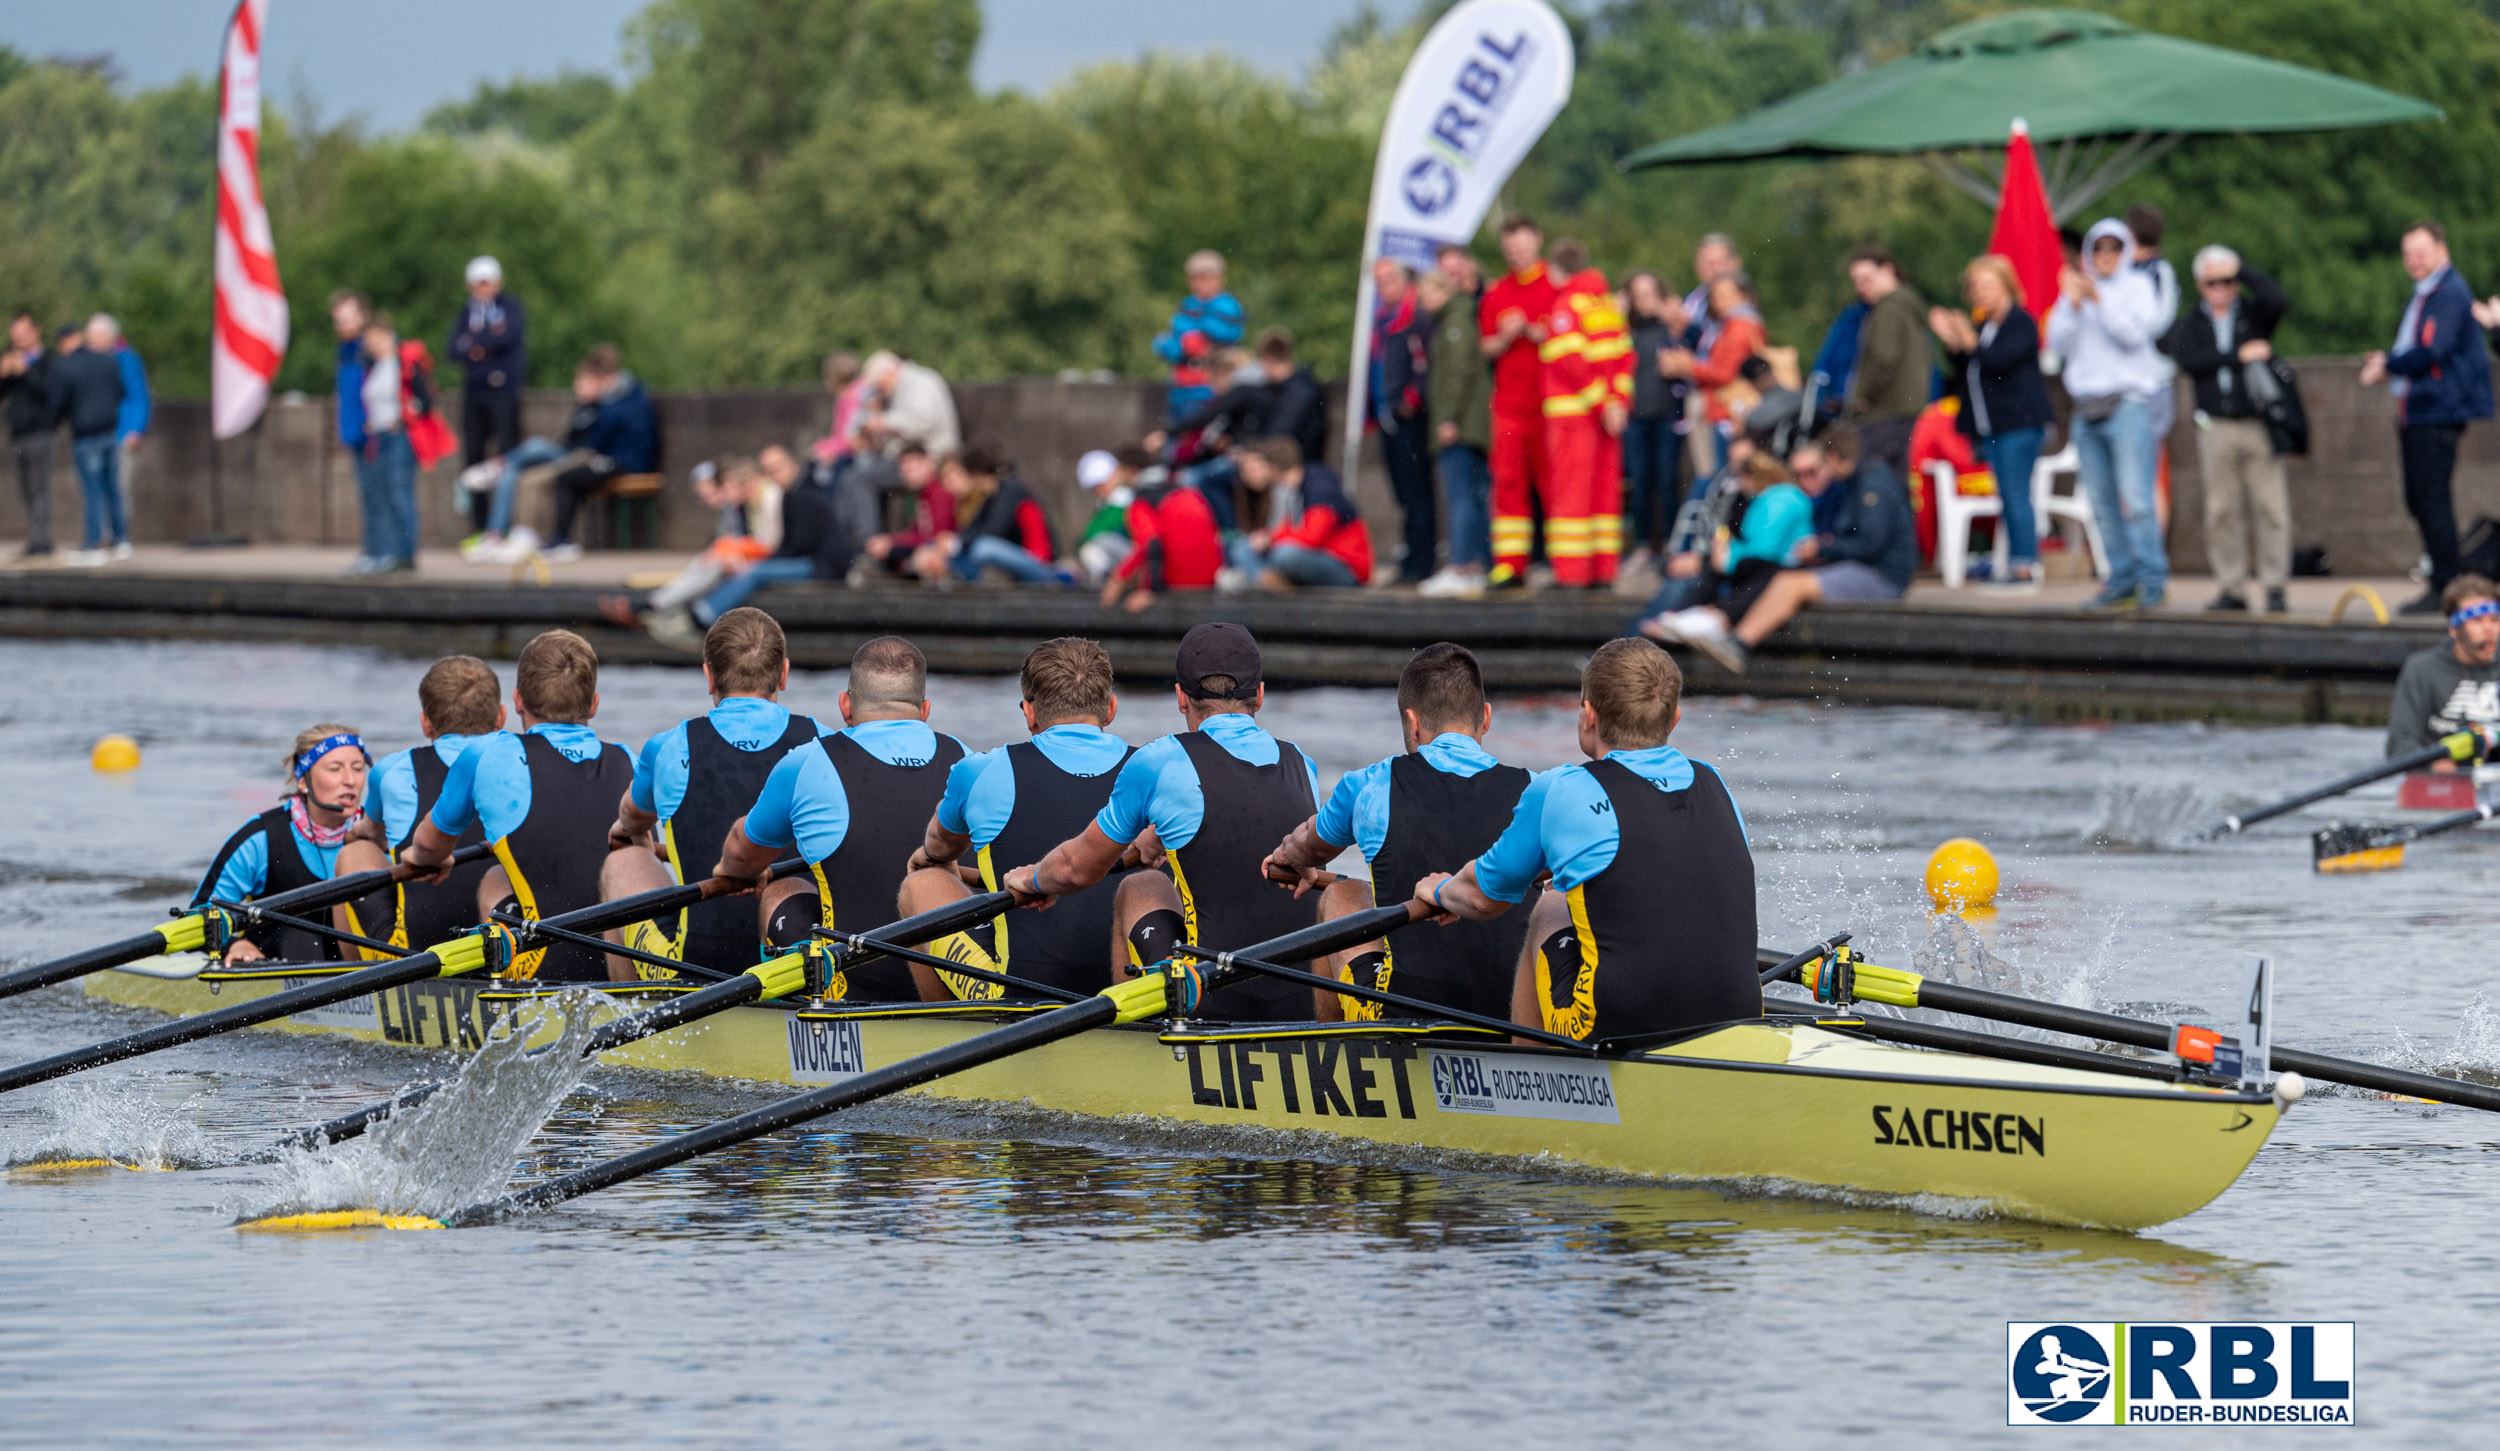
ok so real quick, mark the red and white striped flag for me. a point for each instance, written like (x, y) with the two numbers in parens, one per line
(250, 338)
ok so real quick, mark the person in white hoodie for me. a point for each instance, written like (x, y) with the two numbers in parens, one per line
(2105, 323)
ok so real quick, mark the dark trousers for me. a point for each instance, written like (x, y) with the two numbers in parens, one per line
(1408, 453)
(490, 427)
(34, 482)
(2429, 455)
(571, 487)
(1888, 439)
(1652, 486)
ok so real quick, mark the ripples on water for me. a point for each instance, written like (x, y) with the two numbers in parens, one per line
(923, 1275)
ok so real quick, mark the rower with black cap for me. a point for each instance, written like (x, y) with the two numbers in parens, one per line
(1208, 802)
(1431, 808)
(1649, 928)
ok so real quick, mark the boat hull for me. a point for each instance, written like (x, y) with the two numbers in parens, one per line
(1773, 1105)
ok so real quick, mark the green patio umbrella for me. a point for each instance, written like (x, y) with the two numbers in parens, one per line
(2103, 99)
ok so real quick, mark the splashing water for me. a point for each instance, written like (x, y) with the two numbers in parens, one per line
(114, 1124)
(457, 1147)
(2136, 817)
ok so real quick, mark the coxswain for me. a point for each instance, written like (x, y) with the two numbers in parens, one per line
(1432, 808)
(458, 701)
(855, 806)
(1208, 802)
(294, 843)
(542, 799)
(2445, 688)
(1649, 927)
(691, 784)
(1010, 806)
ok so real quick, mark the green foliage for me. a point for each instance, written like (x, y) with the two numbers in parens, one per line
(541, 112)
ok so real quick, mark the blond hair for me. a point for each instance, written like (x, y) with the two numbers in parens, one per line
(1635, 688)
(1999, 266)
(559, 678)
(305, 740)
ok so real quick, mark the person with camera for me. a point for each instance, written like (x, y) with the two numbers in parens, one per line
(2223, 344)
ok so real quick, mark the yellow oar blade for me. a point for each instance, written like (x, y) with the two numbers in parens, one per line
(42, 1168)
(326, 1219)
(2373, 859)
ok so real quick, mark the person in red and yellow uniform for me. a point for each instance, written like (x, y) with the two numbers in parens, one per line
(1512, 321)
(1587, 354)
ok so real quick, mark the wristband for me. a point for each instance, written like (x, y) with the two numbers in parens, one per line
(1436, 892)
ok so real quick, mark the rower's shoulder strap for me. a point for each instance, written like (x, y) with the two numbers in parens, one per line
(261, 825)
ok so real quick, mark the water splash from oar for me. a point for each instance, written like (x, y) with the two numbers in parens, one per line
(99, 1126)
(452, 1150)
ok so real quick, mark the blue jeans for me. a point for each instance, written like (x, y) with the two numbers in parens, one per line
(731, 593)
(99, 481)
(1310, 568)
(1652, 449)
(531, 453)
(386, 486)
(983, 550)
(1214, 481)
(2115, 458)
(2010, 456)
(1467, 493)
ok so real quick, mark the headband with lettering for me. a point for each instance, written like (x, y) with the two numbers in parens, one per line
(2479, 610)
(312, 754)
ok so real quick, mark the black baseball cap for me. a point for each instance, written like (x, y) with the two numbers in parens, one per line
(1218, 648)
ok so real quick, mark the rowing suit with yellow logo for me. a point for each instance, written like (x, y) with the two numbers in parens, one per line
(543, 799)
(1220, 798)
(1432, 810)
(699, 777)
(405, 786)
(1016, 803)
(1651, 853)
(266, 857)
(856, 807)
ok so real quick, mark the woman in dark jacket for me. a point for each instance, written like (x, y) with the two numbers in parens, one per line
(1994, 356)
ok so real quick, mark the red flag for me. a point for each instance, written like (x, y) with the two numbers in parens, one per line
(249, 338)
(2025, 234)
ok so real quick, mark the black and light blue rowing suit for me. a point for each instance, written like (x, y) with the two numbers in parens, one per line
(1420, 812)
(404, 787)
(1015, 804)
(266, 857)
(856, 805)
(698, 777)
(543, 799)
(1220, 798)
(1652, 854)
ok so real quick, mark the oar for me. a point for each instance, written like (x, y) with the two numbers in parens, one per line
(1416, 1006)
(779, 977)
(1911, 990)
(1133, 1001)
(466, 953)
(190, 932)
(2464, 747)
(2360, 848)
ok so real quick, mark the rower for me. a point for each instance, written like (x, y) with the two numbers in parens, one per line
(458, 701)
(855, 807)
(294, 843)
(1209, 802)
(542, 799)
(1432, 808)
(2445, 688)
(1014, 804)
(691, 783)
(1650, 926)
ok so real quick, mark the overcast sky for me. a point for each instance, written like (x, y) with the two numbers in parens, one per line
(392, 62)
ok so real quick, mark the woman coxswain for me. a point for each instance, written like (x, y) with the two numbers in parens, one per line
(295, 843)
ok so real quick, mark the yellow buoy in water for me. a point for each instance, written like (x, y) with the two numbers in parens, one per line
(1961, 875)
(115, 753)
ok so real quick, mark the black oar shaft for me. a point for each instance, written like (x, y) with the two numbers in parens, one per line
(1418, 1006)
(1982, 1045)
(2393, 765)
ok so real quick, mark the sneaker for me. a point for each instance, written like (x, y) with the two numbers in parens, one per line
(481, 548)
(1729, 651)
(365, 564)
(2276, 604)
(1699, 623)
(2428, 604)
(85, 558)
(123, 550)
(1540, 576)
(2152, 599)
(675, 629)
(36, 551)
(1504, 577)
(1662, 628)
(478, 478)
(565, 553)
(399, 565)
(2229, 600)
(1452, 584)
(2113, 597)
(1231, 581)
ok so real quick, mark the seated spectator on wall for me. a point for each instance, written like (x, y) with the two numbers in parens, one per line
(1286, 401)
(623, 438)
(847, 384)
(999, 525)
(1770, 532)
(746, 507)
(1172, 534)
(1107, 478)
(1312, 536)
(1866, 556)
(813, 546)
(933, 513)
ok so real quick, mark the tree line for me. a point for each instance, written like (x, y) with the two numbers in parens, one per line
(774, 179)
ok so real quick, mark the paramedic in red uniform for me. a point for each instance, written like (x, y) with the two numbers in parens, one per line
(1512, 321)
(1587, 355)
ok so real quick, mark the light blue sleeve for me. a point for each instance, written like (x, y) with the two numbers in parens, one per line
(802, 805)
(959, 782)
(1336, 815)
(646, 765)
(1510, 866)
(768, 820)
(456, 808)
(247, 871)
(661, 772)
(1129, 812)
(991, 801)
(500, 783)
(394, 795)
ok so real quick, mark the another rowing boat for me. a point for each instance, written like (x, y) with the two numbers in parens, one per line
(1778, 1104)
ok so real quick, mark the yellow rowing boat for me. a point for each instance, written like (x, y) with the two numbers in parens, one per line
(1776, 1104)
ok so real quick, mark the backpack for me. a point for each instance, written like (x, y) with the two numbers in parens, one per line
(429, 437)
(2275, 389)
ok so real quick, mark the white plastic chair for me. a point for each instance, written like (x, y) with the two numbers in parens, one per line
(2048, 505)
(1955, 512)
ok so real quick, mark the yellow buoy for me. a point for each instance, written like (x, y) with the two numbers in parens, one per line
(115, 753)
(1961, 875)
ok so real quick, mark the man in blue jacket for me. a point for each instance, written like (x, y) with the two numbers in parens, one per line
(618, 430)
(2441, 376)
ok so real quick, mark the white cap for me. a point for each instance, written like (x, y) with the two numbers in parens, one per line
(1095, 469)
(484, 269)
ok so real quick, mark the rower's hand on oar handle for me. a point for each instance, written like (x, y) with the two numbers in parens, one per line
(1021, 884)
(1303, 880)
(1426, 905)
(241, 950)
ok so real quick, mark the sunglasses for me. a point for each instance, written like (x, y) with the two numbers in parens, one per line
(2219, 282)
